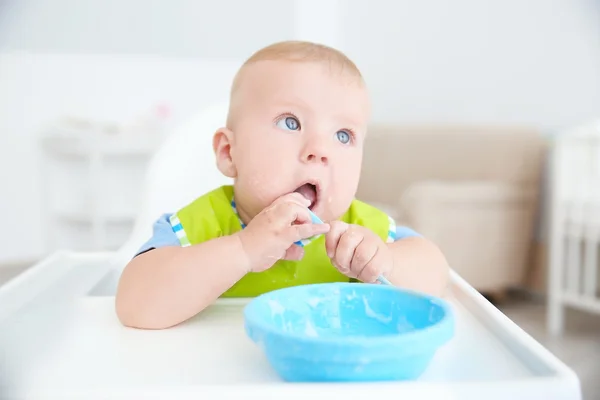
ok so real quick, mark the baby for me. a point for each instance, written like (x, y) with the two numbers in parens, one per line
(293, 142)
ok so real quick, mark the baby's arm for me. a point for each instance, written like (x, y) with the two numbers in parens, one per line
(406, 260)
(169, 284)
(165, 286)
(419, 265)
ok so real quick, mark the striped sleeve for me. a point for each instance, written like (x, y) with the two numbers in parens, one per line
(179, 231)
(392, 235)
(396, 233)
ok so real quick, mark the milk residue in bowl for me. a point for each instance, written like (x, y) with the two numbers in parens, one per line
(352, 296)
(330, 318)
(276, 307)
(314, 301)
(372, 314)
(310, 330)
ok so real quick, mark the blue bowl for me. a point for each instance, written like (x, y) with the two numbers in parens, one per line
(348, 331)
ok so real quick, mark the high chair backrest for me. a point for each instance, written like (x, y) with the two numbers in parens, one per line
(181, 170)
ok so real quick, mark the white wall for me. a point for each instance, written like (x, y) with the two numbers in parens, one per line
(173, 28)
(534, 62)
(465, 61)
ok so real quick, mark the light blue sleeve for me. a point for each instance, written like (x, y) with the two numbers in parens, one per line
(163, 235)
(403, 232)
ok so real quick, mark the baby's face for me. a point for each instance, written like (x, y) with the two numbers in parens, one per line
(298, 127)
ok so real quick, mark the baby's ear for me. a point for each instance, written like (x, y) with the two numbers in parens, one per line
(222, 141)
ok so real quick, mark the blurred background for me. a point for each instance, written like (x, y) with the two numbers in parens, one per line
(471, 99)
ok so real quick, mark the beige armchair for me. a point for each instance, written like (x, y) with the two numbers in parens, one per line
(473, 191)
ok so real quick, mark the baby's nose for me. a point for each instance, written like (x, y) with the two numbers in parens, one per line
(315, 157)
(315, 150)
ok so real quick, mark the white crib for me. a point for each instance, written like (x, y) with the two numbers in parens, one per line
(574, 224)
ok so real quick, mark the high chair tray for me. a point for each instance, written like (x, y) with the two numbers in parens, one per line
(60, 339)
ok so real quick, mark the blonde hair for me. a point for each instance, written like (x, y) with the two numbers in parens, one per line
(298, 51)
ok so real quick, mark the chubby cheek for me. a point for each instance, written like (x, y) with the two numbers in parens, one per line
(261, 182)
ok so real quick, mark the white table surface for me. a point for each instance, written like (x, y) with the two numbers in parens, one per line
(60, 338)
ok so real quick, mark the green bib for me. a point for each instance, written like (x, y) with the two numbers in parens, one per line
(214, 215)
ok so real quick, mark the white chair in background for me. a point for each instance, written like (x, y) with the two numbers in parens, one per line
(182, 169)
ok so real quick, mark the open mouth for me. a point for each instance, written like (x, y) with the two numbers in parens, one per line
(310, 192)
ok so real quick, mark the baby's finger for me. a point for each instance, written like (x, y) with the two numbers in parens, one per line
(345, 251)
(291, 212)
(294, 253)
(370, 272)
(333, 237)
(363, 254)
(307, 230)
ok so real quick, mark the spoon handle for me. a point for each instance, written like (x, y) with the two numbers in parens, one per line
(382, 279)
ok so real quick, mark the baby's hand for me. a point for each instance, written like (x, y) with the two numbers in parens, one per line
(271, 235)
(357, 252)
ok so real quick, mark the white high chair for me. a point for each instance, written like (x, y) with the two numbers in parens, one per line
(60, 338)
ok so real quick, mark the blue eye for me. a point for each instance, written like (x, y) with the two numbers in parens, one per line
(290, 123)
(343, 136)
